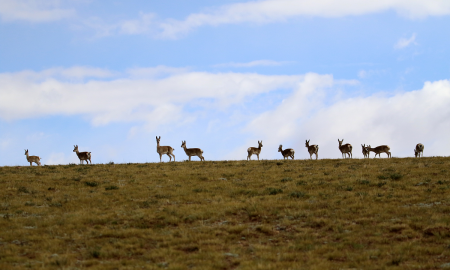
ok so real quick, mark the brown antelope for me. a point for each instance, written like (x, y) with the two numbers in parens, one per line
(254, 151)
(380, 149)
(192, 151)
(164, 150)
(365, 152)
(312, 149)
(286, 152)
(419, 149)
(32, 159)
(82, 155)
(345, 149)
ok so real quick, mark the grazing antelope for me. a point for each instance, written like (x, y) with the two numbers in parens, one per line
(164, 150)
(192, 151)
(419, 149)
(345, 149)
(254, 151)
(365, 152)
(82, 155)
(32, 159)
(312, 149)
(286, 152)
(380, 149)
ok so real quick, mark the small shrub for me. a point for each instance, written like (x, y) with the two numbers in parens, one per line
(364, 182)
(95, 253)
(111, 187)
(297, 194)
(380, 184)
(274, 191)
(382, 177)
(287, 179)
(111, 163)
(349, 188)
(395, 176)
(300, 183)
(91, 184)
(23, 190)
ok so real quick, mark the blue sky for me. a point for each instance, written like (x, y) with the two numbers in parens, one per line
(110, 76)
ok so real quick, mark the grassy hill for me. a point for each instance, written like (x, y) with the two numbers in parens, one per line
(272, 214)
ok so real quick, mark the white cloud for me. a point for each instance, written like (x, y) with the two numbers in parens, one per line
(262, 12)
(33, 10)
(400, 121)
(155, 72)
(254, 63)
(124, 97)
(280, 10)
(405, 42)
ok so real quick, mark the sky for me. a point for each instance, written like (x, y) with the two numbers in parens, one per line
(110, 76)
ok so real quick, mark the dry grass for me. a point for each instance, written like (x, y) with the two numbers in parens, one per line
(301, 214)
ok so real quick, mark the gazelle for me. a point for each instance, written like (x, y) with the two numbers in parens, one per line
(286, 152)
(312, 149)
(345, 149)
(254, 151)
(32, 159)
(419, 149)
(365, 152)
(380, 149)
(164, 150)
(192, 151)
(82, 155)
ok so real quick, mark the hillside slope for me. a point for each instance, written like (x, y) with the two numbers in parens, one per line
(272, 214)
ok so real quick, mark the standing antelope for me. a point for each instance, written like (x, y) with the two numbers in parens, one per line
(312, 149)
(192, 151)
(365, 152)
(345, 149)
(419, 149)
(286, 152)
(82, 155)
(380, 149)
(32, 159)
(254, 151)
(164, 150)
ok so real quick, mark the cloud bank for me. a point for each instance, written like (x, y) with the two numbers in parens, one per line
(270, 11)
(313, 107)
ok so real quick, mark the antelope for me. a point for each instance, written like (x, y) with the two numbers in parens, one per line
(419, 149)
(82, 155)
(286, 152)
(345, 149)
(192, 151)
(365, 152)
(312, 149)
(254, 151)
(32, 159)
(380, 149)
(164, 150)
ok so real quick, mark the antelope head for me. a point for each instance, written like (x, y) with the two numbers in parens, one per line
(280, 148)
(75, 148)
